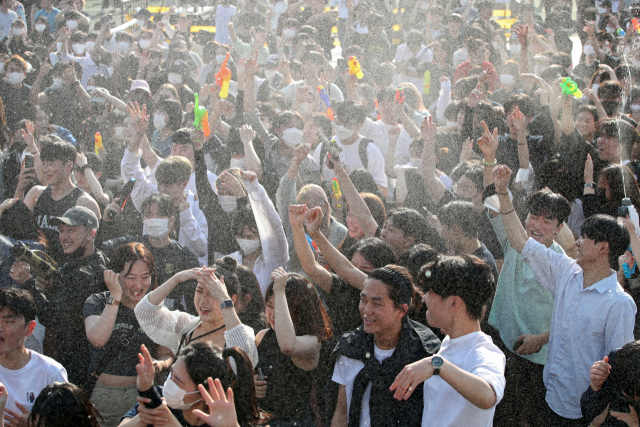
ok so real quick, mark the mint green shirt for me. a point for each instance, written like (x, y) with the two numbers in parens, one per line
(521, 306)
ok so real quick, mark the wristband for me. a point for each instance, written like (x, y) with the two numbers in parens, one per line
(502, 194)
(507, 213)
(495, 161)
(590, 185)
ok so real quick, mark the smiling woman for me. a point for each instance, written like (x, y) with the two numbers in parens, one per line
(110, 324)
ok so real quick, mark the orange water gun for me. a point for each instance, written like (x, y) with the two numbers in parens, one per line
(98, 144)
(377, 109)
(635, 25)
(324, 96)
(223, 77)
(354, 67)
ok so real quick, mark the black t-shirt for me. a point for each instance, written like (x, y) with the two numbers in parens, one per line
(487, 236)
(65, 108)
(124, 364)
(342, 306)
(16, 104)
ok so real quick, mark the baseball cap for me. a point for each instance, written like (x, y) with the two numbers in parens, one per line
(139, 84)
(77, 215)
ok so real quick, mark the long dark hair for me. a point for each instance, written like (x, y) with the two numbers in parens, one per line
(132, 252)
(204, 360)
(61, 405)
(307, 311)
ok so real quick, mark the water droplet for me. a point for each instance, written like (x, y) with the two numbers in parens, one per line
(368, 355)
(427, 273)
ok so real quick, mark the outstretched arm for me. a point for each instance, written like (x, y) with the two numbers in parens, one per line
(357, 206)
(516, 233)
(435, 187)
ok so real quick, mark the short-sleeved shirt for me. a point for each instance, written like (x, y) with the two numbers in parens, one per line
(124, 364)
(51, 17)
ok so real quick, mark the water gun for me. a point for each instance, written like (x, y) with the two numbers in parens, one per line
(635, 25)
(569, 87)
(620, 32)
(324, 96)
(400, 96)
(223, 77)
(201, 116)
(354, 67)
(628, 271)
(426, 83)
(336, 190)
(98, 144)
(312, 243)
(377, 109)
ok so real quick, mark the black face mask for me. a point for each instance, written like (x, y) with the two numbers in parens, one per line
(611, 107)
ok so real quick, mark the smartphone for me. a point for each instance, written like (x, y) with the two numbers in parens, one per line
(518, 344)
(260, 375)
(28, 161)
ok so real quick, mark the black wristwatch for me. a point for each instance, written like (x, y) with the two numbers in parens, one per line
(112, 301)
(226, 304)
(85, 167)
(436, 362)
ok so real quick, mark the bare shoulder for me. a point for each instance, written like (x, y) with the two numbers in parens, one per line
(89, 202)
(33, 195)
(260, 335)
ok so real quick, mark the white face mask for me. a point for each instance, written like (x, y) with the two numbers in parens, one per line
(496, 45)
(515, 49)
(228, 203)
(589, 50)
(292, 137)
(595, 87)
(248, 246)
(343, 133)
(159, 121)
(78, 48)
(611, 30)
(57, 82)
(72, 25)
(157, 228)
(40, 27)
(220, 59)
(601, 10)
(175, 395)
(18, 31)
(123, 46)
(90, 45)
(506, 79)
(289, 33)
(174, 78)
(416, 162)
(145, 44)
(119, 132)
(15, 78)
(269, 74)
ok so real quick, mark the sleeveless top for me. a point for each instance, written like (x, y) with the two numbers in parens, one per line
(288, 387)
(47, 208)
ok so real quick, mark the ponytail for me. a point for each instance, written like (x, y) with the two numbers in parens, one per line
(242, 385)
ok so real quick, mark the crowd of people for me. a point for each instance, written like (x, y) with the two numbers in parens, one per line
(435, 224)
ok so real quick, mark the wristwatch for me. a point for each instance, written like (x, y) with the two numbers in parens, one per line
(590, 185)
(113, 301)
(436, 362)
(226, 304)
(85, 167)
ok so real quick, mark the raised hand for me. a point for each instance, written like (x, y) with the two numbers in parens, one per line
(112, 280)
(145, 369)
(222, 410)
(27, 136)
(247, 134)
(139, 117)
(301, 152)
(467, 150)
(518, 121)
(215, 286)
(588, 170)
(20, 272)
(279, 277)
(248, 176)
(230, 185)
(428, 130)
(15, 418)
(502, 176)
(314, 218)
(297, 214)
(488, 143)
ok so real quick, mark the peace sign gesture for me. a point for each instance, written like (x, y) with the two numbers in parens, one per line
(222, 410)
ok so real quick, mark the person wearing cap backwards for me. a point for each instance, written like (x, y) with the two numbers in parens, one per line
(60, 301)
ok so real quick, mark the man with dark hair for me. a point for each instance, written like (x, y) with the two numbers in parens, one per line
(477, 54)
(23, 372)
(459, 221)
(357, 151)
(617, 139)
(610, 96)
(313, 63)
(14, 93)
(465, 380)
(615, 385)
(59, 194)
(592, 314)
(61, 302)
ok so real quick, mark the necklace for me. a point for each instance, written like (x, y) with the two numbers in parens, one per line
(204, 335)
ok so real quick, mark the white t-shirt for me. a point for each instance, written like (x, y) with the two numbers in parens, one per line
(24, 385)
(6, 20)
(345, 373)
(223, 17)
(443, 405)
(289, 92)
(350, 157)
(378, 132)
(278, 9)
